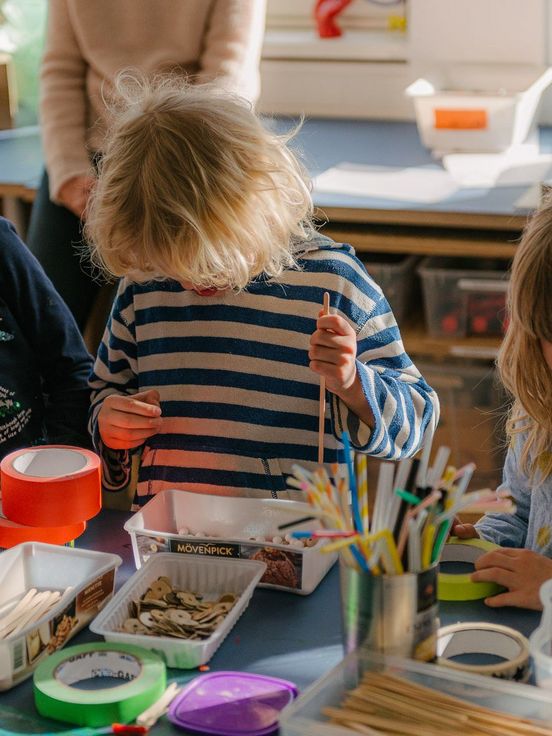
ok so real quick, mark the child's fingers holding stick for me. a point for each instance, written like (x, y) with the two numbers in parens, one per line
(125, 422)
(332, 352)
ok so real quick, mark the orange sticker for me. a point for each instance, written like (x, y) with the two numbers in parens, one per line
(472, 119)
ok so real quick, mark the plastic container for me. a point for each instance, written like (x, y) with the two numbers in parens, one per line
(230, 528)
(304, 716)
(464, 296)
(477, 120)
(472, 416)
(540, 641)
(87, 577)
(395, 274)
(209, 577)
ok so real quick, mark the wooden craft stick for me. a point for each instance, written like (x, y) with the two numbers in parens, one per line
(322, 403)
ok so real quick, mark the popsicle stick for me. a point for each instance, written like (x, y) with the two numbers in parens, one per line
(322, 402)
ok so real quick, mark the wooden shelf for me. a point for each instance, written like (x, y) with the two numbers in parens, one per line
(418, 342)
(426, 241)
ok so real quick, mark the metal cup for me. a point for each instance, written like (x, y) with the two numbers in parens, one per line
(395, 614)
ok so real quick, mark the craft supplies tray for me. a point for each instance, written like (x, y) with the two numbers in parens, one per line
(207, 579)
(82, 580)
(305, 715)
(230, 527)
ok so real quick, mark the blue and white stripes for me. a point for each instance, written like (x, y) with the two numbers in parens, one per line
(239, 401)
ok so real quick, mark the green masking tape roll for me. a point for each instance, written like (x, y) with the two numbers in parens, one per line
(142, 675)
(459, 587)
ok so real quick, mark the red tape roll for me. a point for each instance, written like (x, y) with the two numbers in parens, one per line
(50, 484)
(12, 533)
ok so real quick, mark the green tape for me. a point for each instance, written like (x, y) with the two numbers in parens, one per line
(142, 674)
(451, 587)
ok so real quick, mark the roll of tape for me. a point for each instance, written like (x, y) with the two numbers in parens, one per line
(483, 638)
(12, 533)
(52, 482)
(142, 675)
(459, 587)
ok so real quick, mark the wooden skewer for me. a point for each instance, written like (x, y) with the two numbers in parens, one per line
(322, 402)
(388, 704)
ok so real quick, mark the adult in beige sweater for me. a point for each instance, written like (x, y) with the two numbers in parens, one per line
(87, 43)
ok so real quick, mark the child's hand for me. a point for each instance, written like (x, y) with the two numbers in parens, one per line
(463, 531)
(332, 352)
(125, 422)
(520, 570)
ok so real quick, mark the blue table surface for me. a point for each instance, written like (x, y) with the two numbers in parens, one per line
(322, 143)
(294, 637)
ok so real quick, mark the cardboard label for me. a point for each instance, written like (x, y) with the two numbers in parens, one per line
(284, 568)
(466, 119)
(208, 549)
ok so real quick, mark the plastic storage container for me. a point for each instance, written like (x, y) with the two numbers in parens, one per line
(209, 577)
(395, 274)
(476, 120)
(304, 716)
(231, 528)
(464, 296)
(88, 579)
(540, 641)
(472, 416)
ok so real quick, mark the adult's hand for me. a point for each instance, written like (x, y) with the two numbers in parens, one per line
(74, 194)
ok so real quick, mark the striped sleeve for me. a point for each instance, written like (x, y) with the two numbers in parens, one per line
(405, 408)
(115, 372)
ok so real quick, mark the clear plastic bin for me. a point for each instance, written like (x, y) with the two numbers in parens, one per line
(87, 580)
(231, 527)
(395, 274)
(472, 416)
(464, 296)
(304, 716)
(208, 577)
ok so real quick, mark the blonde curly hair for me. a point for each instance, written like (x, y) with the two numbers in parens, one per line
(193, 187)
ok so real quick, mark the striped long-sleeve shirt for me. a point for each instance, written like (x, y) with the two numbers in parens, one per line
(239, 401)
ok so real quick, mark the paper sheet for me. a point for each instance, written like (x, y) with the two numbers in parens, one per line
(409, 184)
(517, 166)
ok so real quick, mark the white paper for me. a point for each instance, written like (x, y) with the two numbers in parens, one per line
(517, 166)
(400, 184)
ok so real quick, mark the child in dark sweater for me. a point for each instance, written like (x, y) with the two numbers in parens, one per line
(44, 365)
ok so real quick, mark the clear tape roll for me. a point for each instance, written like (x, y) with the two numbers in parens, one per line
(507, 644)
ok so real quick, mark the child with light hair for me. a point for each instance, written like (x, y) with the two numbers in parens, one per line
(212, 356)
(525, 366)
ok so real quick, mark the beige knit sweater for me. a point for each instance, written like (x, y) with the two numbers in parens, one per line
(89, 41)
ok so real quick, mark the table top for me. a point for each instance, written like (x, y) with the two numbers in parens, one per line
(324, 143)
(294, 637)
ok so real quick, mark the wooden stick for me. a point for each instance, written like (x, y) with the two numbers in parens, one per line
(322, 403)
(399, 707)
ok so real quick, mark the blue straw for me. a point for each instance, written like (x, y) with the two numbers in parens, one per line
(352, 484)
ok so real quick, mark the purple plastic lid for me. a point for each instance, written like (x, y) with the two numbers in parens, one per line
(232, 704)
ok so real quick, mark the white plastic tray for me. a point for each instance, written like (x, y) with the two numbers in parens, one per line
(211, 577)
(91, 579)
(304, 716)
(226, 524)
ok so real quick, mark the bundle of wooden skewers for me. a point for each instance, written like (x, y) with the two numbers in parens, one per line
(385, 703)
(414, 509)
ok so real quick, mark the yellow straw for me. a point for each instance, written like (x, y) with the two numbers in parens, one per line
(362, 489)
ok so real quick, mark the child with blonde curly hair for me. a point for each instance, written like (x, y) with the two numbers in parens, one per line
(525, 367)
(211, 359)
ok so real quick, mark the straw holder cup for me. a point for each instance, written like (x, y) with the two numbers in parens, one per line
(395, 614)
